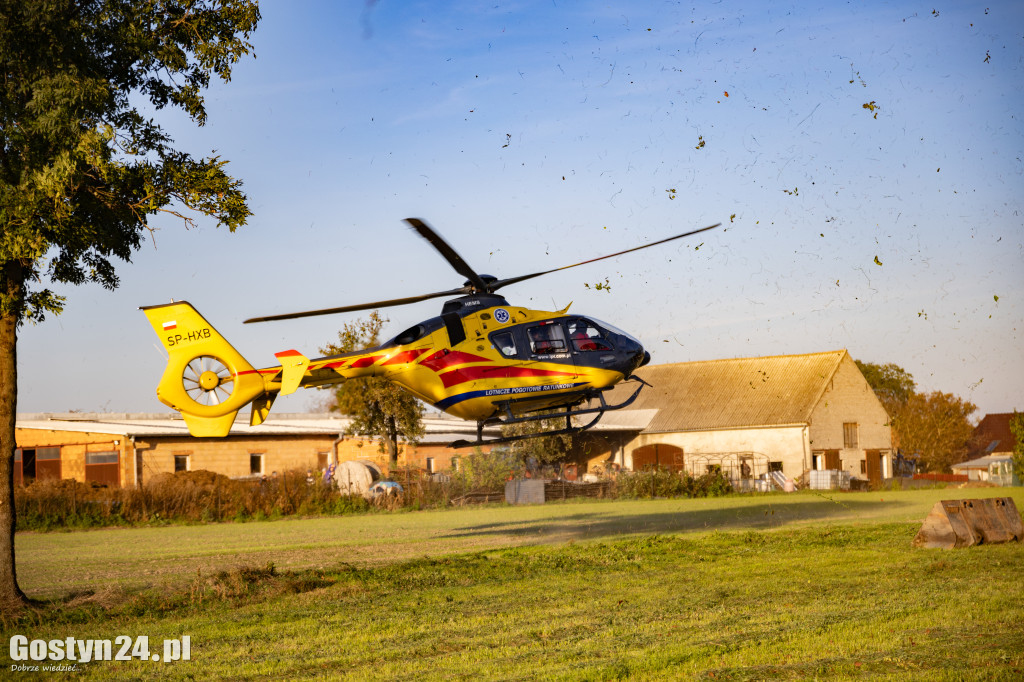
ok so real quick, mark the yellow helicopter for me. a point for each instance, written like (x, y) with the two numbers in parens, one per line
(481, 359)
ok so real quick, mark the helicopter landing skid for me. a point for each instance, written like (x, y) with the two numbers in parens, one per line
(568, 413)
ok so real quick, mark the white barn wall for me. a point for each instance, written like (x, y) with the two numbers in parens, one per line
(848, 398)
(786, 444)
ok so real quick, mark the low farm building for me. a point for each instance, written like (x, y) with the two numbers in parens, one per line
(129, 449)
(748, 416)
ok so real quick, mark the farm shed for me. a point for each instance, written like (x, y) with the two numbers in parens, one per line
(749, 416)
(994, 469)
(129, 449)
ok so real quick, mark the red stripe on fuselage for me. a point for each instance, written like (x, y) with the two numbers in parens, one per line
(442, 360)
(366, 362)
(405, 356)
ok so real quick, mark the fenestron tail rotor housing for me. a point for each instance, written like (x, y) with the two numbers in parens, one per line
(208, 381)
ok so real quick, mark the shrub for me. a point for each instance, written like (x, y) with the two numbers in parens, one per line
(185, 496)
(486, 470)
(205, 497)
(662, 482)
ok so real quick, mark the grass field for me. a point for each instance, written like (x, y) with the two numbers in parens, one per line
(774, 587)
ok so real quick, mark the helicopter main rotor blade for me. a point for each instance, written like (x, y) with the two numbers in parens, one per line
(449, 254)
(476, 283)
(512, 280)
(361, 306)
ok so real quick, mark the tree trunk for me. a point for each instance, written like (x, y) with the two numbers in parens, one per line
(392, 436)
(11, 596)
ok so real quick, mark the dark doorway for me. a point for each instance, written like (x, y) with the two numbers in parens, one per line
(832, 460)
(873, 459)
(658, 455)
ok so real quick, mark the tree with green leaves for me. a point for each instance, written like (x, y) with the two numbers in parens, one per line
(83, 170)
(936, 426)
(378, 408)
(891, 383)
(1017, 429)
(539, 448)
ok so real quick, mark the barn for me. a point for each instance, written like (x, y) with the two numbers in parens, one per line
(746, 417)
(129, 449)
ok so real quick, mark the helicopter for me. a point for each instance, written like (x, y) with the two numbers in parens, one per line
(482, 359)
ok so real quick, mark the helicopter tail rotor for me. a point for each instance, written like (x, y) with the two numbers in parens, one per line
(206, 379)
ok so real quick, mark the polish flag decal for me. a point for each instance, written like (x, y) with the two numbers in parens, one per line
(168, 326)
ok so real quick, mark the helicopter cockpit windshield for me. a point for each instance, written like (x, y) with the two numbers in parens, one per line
(619, 339)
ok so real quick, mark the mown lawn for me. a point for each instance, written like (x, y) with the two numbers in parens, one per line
(767, 590)
(169, 557)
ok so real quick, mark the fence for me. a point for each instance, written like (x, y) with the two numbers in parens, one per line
(942, 478)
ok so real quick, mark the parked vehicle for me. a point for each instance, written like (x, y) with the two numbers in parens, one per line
(385, 488)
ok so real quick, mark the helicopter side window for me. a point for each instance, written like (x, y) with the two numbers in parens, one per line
(547, 338)
(505, 343)
(587, 337)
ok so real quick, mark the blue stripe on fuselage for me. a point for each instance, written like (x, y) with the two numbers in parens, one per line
(514, 391)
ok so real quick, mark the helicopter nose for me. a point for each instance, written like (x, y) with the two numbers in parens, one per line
(647, 358)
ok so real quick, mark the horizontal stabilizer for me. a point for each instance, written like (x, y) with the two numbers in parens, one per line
(293, 368)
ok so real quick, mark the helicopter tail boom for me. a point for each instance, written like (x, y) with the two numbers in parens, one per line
(206, 379)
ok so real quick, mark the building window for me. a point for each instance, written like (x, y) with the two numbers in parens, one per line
(455, 463)
(256, 463)
(774, 466)
(430, 465)
(181, 463)
(38, 464)
(321, 459)
(864, 466)
(850, 436)
(102, 467)
(101, 458)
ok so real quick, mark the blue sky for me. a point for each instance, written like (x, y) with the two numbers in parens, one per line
(536, 134)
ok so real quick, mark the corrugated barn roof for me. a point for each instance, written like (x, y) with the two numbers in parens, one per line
(742, 392)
